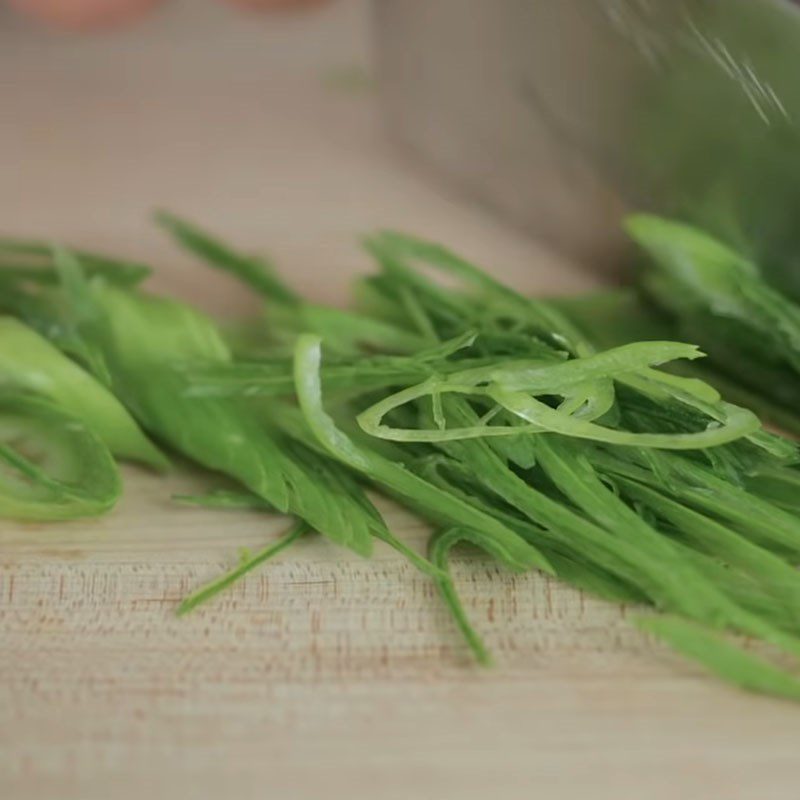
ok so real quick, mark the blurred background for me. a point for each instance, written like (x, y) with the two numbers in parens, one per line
(265, 127)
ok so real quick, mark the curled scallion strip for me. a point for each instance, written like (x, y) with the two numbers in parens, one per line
(510, 548)
(439, 547)
(52, 467)
(737, 423)
(585, 385)
(29, 362)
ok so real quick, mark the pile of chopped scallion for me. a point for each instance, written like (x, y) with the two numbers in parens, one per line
(547, 434)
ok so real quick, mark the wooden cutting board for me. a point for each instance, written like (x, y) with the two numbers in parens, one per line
(323, 675)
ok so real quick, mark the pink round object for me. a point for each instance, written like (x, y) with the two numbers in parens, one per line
(83, 14)
(276, 5)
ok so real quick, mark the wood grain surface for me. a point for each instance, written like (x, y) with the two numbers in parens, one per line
(323, 675)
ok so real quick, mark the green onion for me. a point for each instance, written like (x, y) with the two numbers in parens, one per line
(52, 467)
(249, 563)
(30, 362)
(575, 437)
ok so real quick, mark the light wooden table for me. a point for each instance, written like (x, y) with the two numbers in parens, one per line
(323, 675)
